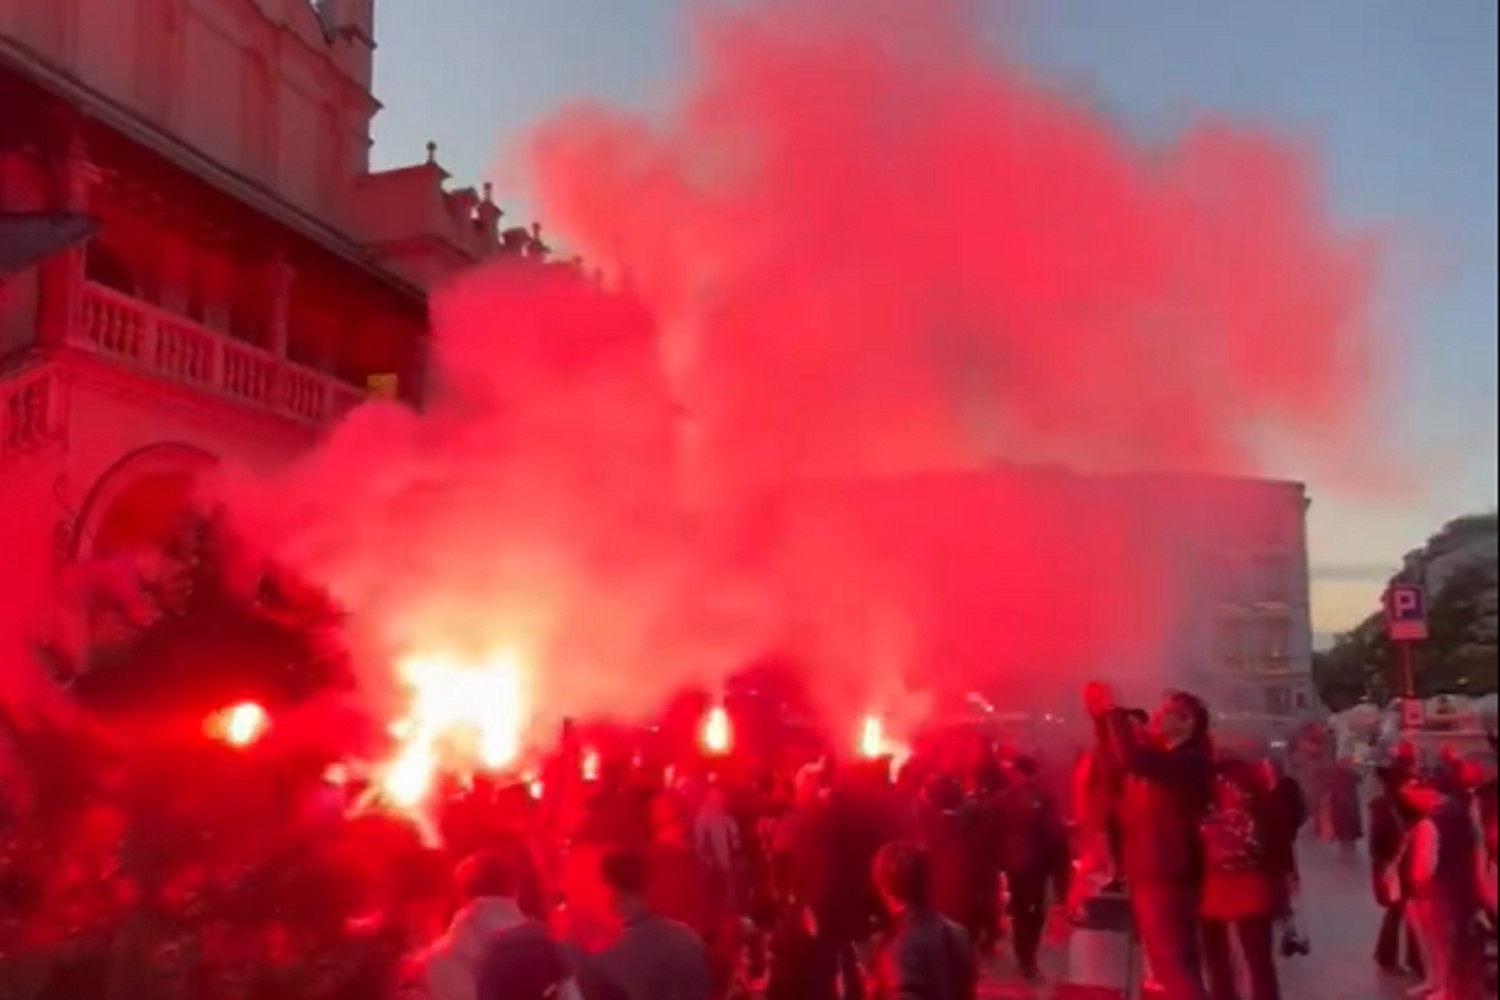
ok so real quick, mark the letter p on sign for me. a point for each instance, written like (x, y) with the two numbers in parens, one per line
(1406, 613)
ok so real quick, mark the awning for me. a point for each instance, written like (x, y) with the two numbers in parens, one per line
(28, 238)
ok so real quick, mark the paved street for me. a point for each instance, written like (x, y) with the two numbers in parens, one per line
(1338, 915)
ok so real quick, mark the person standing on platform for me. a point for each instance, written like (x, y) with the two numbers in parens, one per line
(1164, 797)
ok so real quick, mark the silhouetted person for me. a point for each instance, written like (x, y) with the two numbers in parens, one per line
(924, 956)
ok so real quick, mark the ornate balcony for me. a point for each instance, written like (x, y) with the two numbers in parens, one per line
(126, 330)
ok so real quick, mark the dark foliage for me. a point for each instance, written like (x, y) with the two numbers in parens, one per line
(140, 828)
(205, 644)
(1459, 657)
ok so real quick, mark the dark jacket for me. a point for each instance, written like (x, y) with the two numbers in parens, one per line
(654, 959)
(1162, 802)
(1288, 815)
(925, 958)
(823, 856)
(521, 964)
(1387, 830)
(1030, 832)
(1343, 805)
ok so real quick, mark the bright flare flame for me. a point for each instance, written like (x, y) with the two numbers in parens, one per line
(874, 743)
(872, 737)
(588, 767)
(464, 715)
(718, 735)
(238, 725)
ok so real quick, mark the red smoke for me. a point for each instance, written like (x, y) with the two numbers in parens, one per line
(862, 248)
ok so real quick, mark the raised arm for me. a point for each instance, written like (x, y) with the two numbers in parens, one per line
(1146, 760)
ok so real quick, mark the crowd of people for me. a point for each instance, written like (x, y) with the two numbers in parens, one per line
(851, 882)
(1432, 848)
(725, 877)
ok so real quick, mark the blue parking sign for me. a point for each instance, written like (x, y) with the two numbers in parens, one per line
(1406, 612)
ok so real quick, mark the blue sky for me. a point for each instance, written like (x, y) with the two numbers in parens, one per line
(1400, 94)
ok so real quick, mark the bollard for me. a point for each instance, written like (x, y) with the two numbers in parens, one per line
(1102, 955)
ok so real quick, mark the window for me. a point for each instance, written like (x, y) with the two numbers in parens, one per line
(258, 113)
(330, 153)
(45, 26)
(247, 315)
(158, 48)
(196, 304)
(1230, 637)
(103, 266)
(1273, 578)
(1220, 571)
(1273, 639)
(1278, 700)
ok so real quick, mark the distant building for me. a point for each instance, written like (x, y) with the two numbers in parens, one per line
(1257, 655)
(1231, 552)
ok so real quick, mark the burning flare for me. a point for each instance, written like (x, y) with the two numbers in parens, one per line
(717, 736)
(464, 716)
(238, 725)
(874, 743)
(872, 737)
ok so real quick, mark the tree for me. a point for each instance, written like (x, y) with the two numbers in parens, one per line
(187, 634)
(194, 635)
(1361, 664)
(1460, 654)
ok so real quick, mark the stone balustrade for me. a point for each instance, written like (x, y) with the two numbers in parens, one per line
(125, 329)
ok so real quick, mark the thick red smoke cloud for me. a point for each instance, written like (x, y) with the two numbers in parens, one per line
(865, 261)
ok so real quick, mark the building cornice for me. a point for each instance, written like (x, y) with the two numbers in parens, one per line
(110, 112)
(322, 50)
(422, 243)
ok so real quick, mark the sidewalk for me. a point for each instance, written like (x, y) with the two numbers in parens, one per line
(1337, 913)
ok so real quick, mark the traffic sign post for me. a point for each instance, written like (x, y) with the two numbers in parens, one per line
(1413, 713)
(1406, 612)
(1406, 623)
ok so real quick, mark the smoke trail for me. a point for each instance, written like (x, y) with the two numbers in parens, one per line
(866, 261)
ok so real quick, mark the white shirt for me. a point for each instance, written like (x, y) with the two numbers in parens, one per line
(451, 966)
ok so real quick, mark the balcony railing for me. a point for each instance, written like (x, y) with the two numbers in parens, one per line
(125, 329)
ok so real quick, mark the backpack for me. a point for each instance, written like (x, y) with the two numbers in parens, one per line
(1234, 836)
